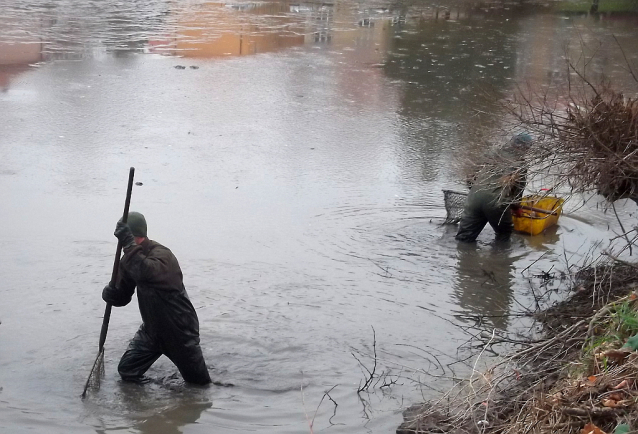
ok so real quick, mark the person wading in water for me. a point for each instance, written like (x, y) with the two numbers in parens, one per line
(170, 325)
(495, 191)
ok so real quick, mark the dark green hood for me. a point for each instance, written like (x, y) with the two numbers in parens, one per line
(137, 223)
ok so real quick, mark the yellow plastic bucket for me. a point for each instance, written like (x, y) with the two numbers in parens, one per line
(535, 222)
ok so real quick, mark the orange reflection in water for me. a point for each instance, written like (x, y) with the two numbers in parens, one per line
(16, 58)
(220, 30)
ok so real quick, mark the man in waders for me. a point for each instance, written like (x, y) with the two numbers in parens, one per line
(495, 191)
(169, 322)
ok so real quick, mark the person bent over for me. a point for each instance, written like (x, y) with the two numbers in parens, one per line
(170, 325)
(495, 191)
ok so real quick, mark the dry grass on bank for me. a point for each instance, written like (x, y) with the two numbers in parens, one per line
(573, 380)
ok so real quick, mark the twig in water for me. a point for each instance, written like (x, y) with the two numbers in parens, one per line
(371, 374)
(530, 265)
(326, 393)
(622, 228)
(629, 264)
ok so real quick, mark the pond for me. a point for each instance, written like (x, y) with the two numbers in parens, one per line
(293, 157)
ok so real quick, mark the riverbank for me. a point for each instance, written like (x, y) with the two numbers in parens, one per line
(578, 376)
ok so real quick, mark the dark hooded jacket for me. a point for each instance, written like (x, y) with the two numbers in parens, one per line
(168, 314)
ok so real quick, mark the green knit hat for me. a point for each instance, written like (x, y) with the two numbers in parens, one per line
(522, 139)
(137, 223)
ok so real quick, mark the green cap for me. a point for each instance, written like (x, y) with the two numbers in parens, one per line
(137, 223)
(523, 139)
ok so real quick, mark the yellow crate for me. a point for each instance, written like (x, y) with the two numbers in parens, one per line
(535, 222)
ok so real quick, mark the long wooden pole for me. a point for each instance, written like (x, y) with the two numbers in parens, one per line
(116, 267)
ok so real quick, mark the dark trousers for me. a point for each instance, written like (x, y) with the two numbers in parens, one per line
(143, 351)
(482, 208)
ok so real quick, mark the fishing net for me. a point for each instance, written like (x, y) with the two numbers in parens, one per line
(96, 374)
(454, 204)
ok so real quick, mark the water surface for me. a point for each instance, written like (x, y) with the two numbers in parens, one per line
(293, 157)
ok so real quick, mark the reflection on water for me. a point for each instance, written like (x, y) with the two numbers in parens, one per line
(486, 275)
(484, 281)
(217, 30)
(154, 409)
(301, 189)
(170, 421)
(451, 55)
(545, 241)
(16, 58)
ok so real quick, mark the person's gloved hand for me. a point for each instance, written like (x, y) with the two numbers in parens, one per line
(108, 293)
(124, 234)
(517, 211)
(114, 296)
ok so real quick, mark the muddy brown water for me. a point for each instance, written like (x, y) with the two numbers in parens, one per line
(292, 155)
